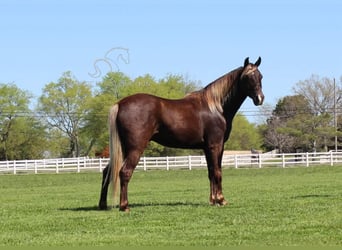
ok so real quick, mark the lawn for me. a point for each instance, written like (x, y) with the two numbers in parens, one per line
(268, 207)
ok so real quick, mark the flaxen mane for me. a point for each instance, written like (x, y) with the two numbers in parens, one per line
(217, 92)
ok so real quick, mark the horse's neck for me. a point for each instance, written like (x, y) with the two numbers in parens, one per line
(231, 106)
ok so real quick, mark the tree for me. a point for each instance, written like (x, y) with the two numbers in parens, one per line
(244, 135)
(58, 144)
(27, 139)
(96, 123)
(112, 87)
(319, 93)
(274, 138)
(65, 105)
(176, 86)
(22, 136)
(284, 129)
(294, 125)
(143, 84)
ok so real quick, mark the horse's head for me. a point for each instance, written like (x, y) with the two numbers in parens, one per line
(251, 81)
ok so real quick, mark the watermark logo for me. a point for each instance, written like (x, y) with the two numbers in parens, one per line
(110, 61)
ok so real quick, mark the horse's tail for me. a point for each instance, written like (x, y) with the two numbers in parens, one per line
(115, 150)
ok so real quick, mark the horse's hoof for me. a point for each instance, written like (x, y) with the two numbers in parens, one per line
(103, 205)
(222, 202)
(124, 209)
(218, 203)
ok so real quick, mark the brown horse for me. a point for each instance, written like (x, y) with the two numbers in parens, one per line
(201, 120)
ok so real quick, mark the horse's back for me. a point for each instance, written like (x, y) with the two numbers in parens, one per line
(139, 108)
(150, 103)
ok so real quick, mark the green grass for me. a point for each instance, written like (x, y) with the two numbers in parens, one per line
(268, 207)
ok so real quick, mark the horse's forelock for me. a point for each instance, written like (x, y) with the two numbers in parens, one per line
(249, 70)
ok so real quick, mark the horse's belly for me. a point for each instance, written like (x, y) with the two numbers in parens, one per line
(181, 139)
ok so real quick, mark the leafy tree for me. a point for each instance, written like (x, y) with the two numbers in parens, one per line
(273, 138)
(244, 135)
(284, 129)
(58, 144)
(109, 90)
(27, 140)
(96, 123)
(113, 85)
(22, 136)
(142, 84)
(176, 86)
(65, 104)
(319, 93)
(295, 124)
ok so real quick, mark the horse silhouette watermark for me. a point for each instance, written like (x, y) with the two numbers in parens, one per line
(111, 60)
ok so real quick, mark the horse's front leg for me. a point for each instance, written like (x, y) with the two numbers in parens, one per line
(219, 200)
(216, 195)
(214, 161)
(104, 188)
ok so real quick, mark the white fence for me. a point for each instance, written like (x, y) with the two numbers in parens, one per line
(84, 164)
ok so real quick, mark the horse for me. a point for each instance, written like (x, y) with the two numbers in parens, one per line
(200, 120)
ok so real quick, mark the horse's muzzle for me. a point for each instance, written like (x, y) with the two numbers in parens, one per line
(258, 99)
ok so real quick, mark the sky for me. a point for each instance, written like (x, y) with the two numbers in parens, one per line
(201, 40)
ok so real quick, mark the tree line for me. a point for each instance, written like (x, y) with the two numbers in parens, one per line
(70, 117)
(310, 120)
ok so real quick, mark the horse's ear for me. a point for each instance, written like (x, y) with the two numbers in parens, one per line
(257, 63)
(246, 62)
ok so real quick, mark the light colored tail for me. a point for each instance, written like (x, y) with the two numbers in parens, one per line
(115, 150)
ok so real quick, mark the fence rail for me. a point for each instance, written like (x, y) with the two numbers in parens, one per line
(83, 164)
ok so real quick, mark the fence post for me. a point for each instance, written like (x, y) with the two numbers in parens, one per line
(167, 163)
(331, 158)
(235, 161)
(100, 163)
(189, 162)
(57, 169)
(283, 159)
(14, 167)
(35, 167)
(144, 162)
(78, 165)
(259, 159)
(307, 159)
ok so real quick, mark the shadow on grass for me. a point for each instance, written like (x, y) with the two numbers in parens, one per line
(77, 209)
(136, 205)
(307, 196)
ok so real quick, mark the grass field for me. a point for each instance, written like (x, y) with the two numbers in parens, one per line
(273, 207)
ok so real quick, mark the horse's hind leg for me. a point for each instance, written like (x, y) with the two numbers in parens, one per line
(104, 188)
(126, 173)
